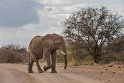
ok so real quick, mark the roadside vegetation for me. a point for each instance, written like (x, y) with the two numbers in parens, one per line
(13, 54)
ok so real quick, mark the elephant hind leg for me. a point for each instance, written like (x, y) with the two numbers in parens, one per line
(35, 58)
(38, 67)
(31, 61)
(45, 68)
(53, 58)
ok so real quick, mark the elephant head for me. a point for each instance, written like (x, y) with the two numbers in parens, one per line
(62, 48)
(59, 44)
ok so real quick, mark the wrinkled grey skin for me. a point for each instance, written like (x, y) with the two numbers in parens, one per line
(45, 47)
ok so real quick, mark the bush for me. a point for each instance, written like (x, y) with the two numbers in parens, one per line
(13, 54)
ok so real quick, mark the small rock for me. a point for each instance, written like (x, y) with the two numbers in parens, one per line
(119, 67)
(101, 72)
(113, 72)
(103, 67)
(110, 65)
(115, 65)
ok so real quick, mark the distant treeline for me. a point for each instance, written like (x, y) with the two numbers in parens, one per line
(13, 53)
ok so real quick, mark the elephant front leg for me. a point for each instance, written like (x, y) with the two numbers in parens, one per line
(47, 55)
(53, 58)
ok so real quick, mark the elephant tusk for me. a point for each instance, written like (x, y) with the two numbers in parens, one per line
(63, 52)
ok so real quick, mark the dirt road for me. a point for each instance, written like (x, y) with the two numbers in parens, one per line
(17, 73)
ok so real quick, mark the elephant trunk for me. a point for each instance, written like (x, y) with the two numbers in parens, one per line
(65, 58)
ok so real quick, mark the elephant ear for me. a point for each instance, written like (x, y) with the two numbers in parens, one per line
(58, 42)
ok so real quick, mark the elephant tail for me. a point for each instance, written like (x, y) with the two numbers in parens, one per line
(29, 58)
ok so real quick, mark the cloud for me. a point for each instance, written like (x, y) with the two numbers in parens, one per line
(54, 2)
(16, 13)
(39, 17)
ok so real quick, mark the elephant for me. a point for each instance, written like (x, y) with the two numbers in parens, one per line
(45, 47)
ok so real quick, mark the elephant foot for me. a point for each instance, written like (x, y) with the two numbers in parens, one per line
(30, 70)
(53, 70)
(40, 71)
(45, 68)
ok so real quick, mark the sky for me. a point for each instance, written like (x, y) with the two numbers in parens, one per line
(21, 20)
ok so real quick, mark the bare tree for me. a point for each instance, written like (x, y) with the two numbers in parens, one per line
(93, 28)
